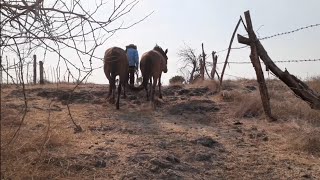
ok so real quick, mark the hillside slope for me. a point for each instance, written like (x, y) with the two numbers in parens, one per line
(194, 133)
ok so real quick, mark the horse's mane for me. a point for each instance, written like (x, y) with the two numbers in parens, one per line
(160, 50)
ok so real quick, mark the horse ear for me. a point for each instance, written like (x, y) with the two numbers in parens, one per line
(166, 51)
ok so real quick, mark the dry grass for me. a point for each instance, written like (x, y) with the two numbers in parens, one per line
(132, 141)
(314, 83)
(213, 85)
(249, 107)
(306, 140)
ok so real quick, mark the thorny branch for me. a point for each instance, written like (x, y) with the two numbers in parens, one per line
(62, 29)
(59, 26)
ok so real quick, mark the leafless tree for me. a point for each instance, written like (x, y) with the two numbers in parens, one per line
(70, 30)
(62, 27)
(190, 62)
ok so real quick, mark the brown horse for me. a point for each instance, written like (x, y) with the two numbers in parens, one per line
(152, 64)
(116, 63)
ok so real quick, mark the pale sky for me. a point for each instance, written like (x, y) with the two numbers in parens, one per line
(190, 22)
(175, 23)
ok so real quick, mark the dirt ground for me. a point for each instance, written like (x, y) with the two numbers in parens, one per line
(195, 132)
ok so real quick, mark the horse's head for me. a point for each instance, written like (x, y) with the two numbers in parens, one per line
(164, 54)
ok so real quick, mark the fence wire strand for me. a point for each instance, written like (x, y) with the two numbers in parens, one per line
(280, 61)
(290, 32)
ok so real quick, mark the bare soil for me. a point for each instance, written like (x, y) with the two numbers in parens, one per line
(194, 133)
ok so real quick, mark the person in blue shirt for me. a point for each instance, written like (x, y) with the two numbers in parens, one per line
(133, 58)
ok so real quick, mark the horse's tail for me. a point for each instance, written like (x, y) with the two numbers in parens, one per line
(145, 75)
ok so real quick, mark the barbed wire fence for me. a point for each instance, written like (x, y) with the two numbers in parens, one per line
(209, 63)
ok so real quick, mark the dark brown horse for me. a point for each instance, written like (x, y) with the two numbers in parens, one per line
(116, 63)
(152, 64)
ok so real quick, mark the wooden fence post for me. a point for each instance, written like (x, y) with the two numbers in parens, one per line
(0, 69)
(34, 69)
(203, 64)
(7, 69)
(41, 72)
(15, 70)
(214, 64)
(229, 49)
(54, 75)
(300, 88)
(68, 76)
(27, 73)
(257, 66)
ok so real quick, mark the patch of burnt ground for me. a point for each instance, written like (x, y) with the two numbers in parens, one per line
(194, 107)
(83, 96)
(202, 156)
(75, 97)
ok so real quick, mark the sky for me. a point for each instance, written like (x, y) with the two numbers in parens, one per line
(177, 23)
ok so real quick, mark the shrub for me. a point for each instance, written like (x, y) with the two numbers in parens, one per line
(177, 80)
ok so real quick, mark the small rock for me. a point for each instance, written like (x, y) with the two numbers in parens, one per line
(132, 98)
(100, 164)
(237, 123)
(173, 159)
(251, 88)
(160, 163)
(203, 157)
(183, 91)
(207, 142)
(307, 176)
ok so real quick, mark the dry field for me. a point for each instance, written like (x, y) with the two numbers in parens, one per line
(194, 133)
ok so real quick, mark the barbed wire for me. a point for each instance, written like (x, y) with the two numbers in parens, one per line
(272, 36)
(280, 61)
(241, 47)
(290, 32)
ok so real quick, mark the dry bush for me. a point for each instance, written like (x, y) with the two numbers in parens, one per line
(211, 84)
(9, 117)
(249, 106)
(232, 96)
(276, 85)
(286, 106)
(230, 85)
(177, 80)
(307, 141)
(24, 157)
(314, 83)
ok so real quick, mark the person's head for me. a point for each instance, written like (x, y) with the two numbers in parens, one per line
(131, 46)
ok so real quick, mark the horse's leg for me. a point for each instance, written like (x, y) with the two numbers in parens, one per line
(147, 92)
(118, 99)
(159, 84)
(110, 90)
(150, 86)
(146, 88)
(110, 87)
(153, 88)
(124, 90)
(113, 88)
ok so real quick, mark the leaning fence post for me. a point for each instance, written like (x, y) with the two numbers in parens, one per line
(68, 76)
(7, 69)
(203, 64)
(15, 70)
(229, 49)
(34, 69)
(214, 64)
(1, 70)
(41, 72)
(257, 66)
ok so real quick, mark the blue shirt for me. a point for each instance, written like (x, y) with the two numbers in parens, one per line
(133, 57)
